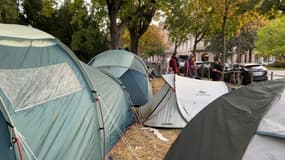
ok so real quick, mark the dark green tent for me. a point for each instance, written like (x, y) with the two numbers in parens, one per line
(247, 124)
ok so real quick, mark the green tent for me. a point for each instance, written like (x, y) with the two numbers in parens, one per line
(52, 105)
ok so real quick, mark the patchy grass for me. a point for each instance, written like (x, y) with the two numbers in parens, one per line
(276, 68)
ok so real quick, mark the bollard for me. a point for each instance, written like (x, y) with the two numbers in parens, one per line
(202, 72)
(271, 75)
(238, 79)
(209, 73)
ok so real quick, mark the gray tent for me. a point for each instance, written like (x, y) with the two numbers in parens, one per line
(130, 69)
(246, 124)
(179, 100)
(52, 106)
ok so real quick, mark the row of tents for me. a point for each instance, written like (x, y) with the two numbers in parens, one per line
(53, 106)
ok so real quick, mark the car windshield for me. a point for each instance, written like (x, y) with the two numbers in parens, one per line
(183, 57)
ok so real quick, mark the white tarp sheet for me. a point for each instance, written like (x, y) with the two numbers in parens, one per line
(29, 87)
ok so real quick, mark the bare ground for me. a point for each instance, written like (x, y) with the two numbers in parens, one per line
(141, 143)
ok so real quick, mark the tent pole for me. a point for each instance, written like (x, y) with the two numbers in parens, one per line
(134, 110)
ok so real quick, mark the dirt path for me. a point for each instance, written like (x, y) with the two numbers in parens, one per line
(141, 143)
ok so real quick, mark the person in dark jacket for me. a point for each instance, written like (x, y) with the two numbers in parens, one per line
(217, 70)
(173, 64)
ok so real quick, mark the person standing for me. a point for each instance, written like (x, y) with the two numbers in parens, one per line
(190, 67)
(173, 64)
(217, 70)
(150, 73)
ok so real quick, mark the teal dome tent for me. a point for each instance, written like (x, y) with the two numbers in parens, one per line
(53, 106)
(129, 69)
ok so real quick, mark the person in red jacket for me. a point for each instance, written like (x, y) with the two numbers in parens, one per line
(173, 64)
(190, 67)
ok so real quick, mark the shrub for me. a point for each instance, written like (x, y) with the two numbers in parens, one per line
(280, 63)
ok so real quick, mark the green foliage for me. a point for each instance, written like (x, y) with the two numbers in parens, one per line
(277, 65)
(269, 8)
(138, 25)
(71, 22)
(177, 22)
(88, 42)
(152, 42)
(85, 28)
(8, 11)
(81, 31)
(201, 18)
(271, 38)
(31, 10)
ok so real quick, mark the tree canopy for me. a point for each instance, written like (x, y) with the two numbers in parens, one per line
(177, 22)
(271, 39)
(8, 11)
(153, 41)
(74, 22)
(90, 27)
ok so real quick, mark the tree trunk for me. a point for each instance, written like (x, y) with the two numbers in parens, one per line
(224, 42)
(250, 55)
(194, 48)
(175, 46)
(134, 43)
(138, 26)
(224, 25)
(114, 35)
(116, 29)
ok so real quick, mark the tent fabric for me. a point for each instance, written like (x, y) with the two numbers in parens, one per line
(15, 31)
(72, 116)
(265, 147)
(193, 95)
(137, 87)
(130, 69)
(223, 130)
(115, 104)
(169, 79)
(166, 116)
(5, 143)
(19, 85)
(119, 58)
(179, 100)
(273, 123)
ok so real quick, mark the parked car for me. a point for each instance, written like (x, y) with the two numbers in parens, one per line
(204, 69)
(246, 73)
(198, 64)
(181, 62)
